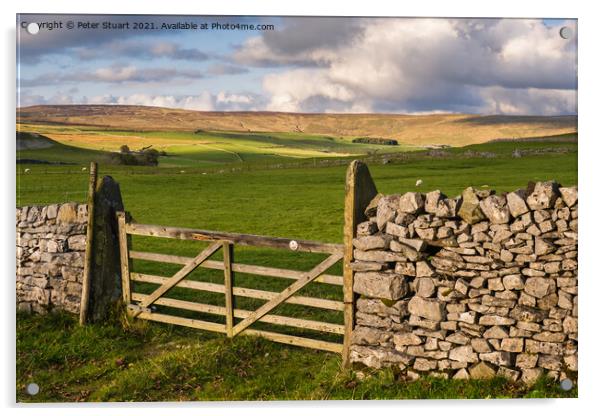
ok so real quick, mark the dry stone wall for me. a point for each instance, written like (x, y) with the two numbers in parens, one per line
(469, 287)
(51, 242)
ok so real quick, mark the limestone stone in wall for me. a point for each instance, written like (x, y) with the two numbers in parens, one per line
(473, 287)
(50, 256)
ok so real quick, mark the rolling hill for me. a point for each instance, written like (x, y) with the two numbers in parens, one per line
(416, 130)
(29, 141)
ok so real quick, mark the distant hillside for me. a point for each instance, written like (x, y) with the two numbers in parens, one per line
(29, 141)
(450, 129)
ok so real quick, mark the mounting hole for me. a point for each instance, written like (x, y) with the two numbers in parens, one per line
(293, 245)
(566, 384)
(33, 28)
(566, 32)
(32, 389)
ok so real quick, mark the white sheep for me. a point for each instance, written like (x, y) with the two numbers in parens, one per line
(27, 170)
(84, 169)
(419, 182)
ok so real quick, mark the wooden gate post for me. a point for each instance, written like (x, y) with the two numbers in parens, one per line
(124, 255)
(359, 191)
(227, 252)
(85, 298)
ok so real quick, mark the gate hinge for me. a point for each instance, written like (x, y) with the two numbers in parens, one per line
(138, 309)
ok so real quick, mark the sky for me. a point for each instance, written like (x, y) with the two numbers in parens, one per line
(301, 64)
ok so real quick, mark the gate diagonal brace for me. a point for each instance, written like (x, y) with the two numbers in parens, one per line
(178, 277)
(287, 293)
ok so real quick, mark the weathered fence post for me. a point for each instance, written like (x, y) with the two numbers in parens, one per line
(88, 256)
(124, 258)
(359, 191)
(227, 251)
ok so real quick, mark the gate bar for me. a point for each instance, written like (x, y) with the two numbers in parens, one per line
(150, 230)
(236, 267)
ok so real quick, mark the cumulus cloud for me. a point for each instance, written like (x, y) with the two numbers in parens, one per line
(203, 101)
(142, 50)
(234, 99)
(25, 99)
(133, 74)
(314, 64)
(409, 65)
(113, 74)
(225, 69)
(291, 87)
(522, 101)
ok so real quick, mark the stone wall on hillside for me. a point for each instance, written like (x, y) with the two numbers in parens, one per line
(51, 242)
(469, 287)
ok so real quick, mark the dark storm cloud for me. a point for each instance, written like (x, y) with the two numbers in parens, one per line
(294, 42)
(304, 34)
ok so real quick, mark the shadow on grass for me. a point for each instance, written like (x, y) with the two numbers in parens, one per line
(121, 360)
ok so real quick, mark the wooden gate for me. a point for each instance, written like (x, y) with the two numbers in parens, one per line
(140, 304)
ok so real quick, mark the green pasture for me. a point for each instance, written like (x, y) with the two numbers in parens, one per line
(188, 149)
(302, 203)
(296, 203)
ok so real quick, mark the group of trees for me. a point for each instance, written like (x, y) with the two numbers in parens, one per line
(144, 157)
(375, 140)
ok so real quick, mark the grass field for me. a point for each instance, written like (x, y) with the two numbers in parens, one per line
(121, 361)
(146, 361)
(190, 149)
